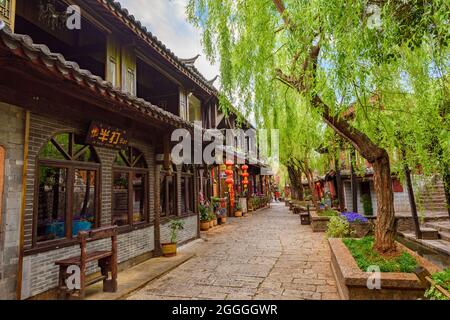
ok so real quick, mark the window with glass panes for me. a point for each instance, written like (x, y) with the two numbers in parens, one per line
(168, 193)
(130, 188)
(187, 190)
(67, 194)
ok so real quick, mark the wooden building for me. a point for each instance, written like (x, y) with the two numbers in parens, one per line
(86, 117)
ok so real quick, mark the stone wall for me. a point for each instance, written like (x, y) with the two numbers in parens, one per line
(11, 139)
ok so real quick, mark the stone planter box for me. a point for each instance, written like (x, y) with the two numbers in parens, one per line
(352, 282)
(363, 229)
(318, 223)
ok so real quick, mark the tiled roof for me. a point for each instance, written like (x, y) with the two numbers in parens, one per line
(192, 70)
(23, 46)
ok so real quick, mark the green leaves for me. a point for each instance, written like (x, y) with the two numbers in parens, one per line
(365, 256)
(394, 75)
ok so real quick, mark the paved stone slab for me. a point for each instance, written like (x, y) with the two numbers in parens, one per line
(268, 255)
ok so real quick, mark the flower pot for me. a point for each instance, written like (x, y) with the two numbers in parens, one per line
(204, 225)
(223, 220)
(215, 223)
(211, 223)
(238, 214)
(169, 249)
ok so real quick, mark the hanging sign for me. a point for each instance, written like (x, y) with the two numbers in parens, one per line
(103, 135)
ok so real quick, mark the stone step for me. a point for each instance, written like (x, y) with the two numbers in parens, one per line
(439, 226)
(435, 206)
(437, 197)
(429, 234)
(444, 235)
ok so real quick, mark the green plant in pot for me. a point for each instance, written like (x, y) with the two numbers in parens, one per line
(212, 218)
(204, 217)
(238, 210)
(170, 249)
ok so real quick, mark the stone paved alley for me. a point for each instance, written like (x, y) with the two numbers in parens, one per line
(268, 255)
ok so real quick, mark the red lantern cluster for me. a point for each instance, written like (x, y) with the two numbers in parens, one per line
(230, 181)
(245, 176)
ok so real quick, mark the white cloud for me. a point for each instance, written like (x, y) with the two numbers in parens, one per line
(167, 20)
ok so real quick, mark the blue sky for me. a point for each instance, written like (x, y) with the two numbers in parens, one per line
(166, 19)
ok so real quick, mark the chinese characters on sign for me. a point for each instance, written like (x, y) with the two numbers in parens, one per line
(106, 136)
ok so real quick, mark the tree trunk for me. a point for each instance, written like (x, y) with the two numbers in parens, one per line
(353, 181)
(310, 178)
(295, 176)
(385, 225)
(379, 158)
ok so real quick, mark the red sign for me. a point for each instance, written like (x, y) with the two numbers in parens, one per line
(103, 135)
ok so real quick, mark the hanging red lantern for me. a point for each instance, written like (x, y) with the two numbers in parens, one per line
(230, 181)
(245, 175)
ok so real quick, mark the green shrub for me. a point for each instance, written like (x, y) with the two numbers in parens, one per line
(338, 227)
(365, 256)
(328, 213)
(367, 204)
(442, 279)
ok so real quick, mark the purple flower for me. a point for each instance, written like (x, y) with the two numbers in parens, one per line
(354, 217)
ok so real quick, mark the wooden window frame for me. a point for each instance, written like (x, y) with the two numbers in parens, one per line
(189, 177)
(70, 166)
(166, 213)
(130, 171)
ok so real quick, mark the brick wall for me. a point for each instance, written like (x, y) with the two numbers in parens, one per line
(40, 274)
(11, 139)
(189, 232)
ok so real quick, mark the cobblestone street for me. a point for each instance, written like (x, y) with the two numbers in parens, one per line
(268, 255)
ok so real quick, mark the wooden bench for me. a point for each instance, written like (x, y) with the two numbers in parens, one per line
(107, 261)
(305, 216)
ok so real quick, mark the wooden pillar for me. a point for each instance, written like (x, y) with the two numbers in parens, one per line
(196, 177)
(22, 207)
(412, 200)
(340, 186)
(157, 226)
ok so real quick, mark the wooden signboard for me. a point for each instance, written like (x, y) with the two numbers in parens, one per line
(103, 135)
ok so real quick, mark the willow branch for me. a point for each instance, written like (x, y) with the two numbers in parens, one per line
(284, 15)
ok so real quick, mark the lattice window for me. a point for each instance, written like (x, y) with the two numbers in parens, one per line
(5, 9)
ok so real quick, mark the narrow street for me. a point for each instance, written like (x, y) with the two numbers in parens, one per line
(268, 255)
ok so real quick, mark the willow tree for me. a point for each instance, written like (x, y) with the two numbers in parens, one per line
(334, 54)
(300, 134)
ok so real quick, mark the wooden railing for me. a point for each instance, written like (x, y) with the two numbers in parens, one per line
(425, 278)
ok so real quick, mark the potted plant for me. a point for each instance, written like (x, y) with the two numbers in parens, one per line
(170, 249)
(212, 219)
(204, 217)
(238, 211)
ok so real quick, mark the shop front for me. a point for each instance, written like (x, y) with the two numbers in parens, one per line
(80, 155)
